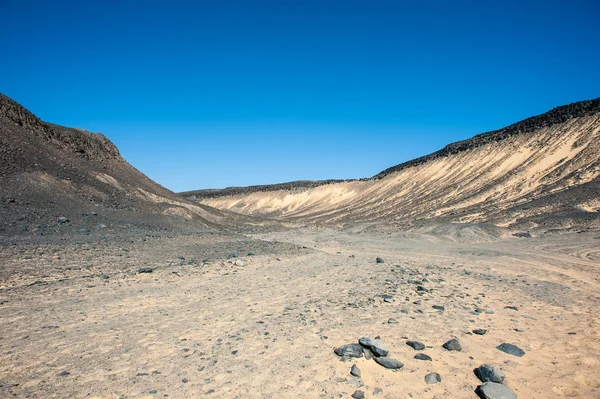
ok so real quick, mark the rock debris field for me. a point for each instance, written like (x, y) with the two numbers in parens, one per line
(300, 313)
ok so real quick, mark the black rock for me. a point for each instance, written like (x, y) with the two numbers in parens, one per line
(422, 356)
(64, 374)
(379, 260)
(350, 350)
(358, 395)
(355, 371)
(145, 270)
(389, 363)
(433, 378)
(511, 349)
(375, 345)
(438, 307)
(493, 390)
(489, 373)
(416, 345)
(453, 345)
(479, 331)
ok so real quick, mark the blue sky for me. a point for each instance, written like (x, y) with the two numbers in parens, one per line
(208, 94)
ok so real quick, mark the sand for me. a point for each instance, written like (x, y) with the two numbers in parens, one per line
(206, 327)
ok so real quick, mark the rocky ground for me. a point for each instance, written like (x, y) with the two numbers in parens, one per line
(232, 316)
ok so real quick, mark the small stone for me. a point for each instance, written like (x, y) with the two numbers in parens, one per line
(391, 320)
(512, 308)
(356, 383)
(62, 220)
(493, 390)
(479, 331)
(519, 329)
(389, 363)
(511, 349)
(239, 262)
(375, 345)
(64, 374)
(388, 299)
(433, 378)
(453, 345)
(368, 354)
(422, 356)
(355, 371)
(379, 260)
(350, 350)
(416, 345)
(489, 373)
(438, 307)
(185, 380)
(358, 395)
(145, 270)
(377, 391)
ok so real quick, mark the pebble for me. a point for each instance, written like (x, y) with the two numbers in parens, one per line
(433, 378)
(438, 307)
(493, 390)
(479, 331)
(489, 373)
(416, 345)
(511, 349)
(453, 345)
(377, 391)
(422, 356)
(62, 219)
(350, 350)
(512, 308)
(388, 299)
(379, 260)
(519, 329)
(389, 363)
(391, 320)
(145, 270)
(376, 346)
(358, 395)
(355, 371)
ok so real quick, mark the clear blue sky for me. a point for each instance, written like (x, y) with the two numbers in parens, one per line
(201, 94)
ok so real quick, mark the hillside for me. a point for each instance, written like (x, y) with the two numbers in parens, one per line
(542, 171)
(49, 171)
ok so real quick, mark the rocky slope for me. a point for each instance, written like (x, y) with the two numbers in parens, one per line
(540, 172)
(49, 171)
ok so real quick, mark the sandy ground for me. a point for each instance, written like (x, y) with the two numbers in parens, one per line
(78, 321)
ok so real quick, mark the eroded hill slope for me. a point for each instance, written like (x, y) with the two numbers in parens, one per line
(542, 171)
(49, 171)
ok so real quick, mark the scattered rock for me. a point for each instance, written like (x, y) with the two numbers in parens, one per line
(518, 329)
(355, 382)
(62, 220)
(358, 395)
(391, 320)
(379, 260)
(64, 374)
(416, 345)
(368, 354)
(350, 350)
(479, 331)
(512, 308)
(145, 270)
(489, 373)
(375, 345)
(422, 356)
(453, 345)
(438, 307)
(355, 371)
(377, 391)
(433, 378)
(389, 363)
(522, 234)
(239, 262)
(388, 299)
(493, 390)
(511, 349)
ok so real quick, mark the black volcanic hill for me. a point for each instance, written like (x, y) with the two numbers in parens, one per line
(49, 171)
(555, 116)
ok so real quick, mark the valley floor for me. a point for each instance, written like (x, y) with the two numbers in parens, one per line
(79, 320)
